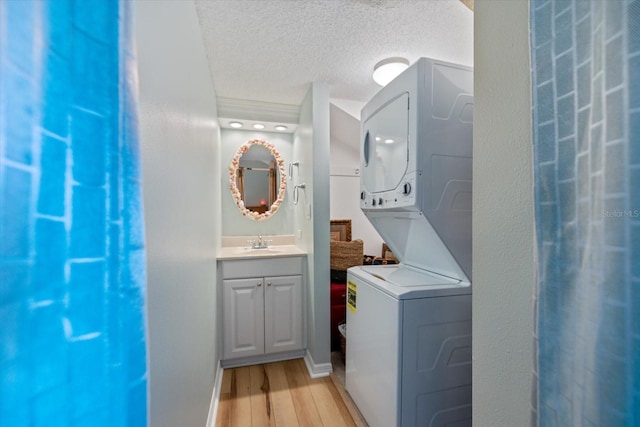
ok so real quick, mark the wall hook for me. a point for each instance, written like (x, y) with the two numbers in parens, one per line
(291, 165)
(295, 192)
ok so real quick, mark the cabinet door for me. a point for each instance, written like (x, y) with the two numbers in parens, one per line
(283, 313)
(243, 317)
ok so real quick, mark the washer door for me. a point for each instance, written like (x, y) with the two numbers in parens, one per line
(385, 146)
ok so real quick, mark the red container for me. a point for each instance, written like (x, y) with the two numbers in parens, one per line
(338, 312)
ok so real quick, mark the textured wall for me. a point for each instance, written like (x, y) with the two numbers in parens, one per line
(586, 92)
(311, 214)
(320, 351)
(180, 151)
(503, 239)
(72, 278)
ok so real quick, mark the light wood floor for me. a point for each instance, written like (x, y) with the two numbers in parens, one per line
(283, 394)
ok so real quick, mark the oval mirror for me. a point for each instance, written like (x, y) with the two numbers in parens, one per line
(257, 179)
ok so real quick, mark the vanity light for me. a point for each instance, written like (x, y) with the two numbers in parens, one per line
(258, 126)
(235, 124)
(388, 69)
(388, 141)
(281, 128)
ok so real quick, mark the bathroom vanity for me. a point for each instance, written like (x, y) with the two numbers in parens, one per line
(261, 279)
(262, 294)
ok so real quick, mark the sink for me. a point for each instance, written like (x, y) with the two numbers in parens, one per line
(264, 251)
(232, 252)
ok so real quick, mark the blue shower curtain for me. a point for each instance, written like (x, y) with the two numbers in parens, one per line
(586, 126)
(72, 261)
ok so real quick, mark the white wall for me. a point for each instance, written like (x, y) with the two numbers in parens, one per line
(311, 214)
(180, 152)
(345, 183)
(345, 204)
(233, 222)
(503, 234)
(351, 107)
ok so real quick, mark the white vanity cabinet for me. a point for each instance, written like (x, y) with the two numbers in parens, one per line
(262, 308)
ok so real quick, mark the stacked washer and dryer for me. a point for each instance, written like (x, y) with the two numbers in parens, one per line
(408, 358)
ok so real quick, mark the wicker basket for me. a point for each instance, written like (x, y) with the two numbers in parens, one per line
(346, 254)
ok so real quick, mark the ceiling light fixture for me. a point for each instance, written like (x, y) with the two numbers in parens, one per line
(388, 69)
(258, 126)
(388, 141)
(235, 124)
(281, 128)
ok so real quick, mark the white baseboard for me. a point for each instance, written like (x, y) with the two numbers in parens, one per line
(317, 370)
(215, 397)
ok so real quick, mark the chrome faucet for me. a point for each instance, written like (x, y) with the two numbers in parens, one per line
(260, 243)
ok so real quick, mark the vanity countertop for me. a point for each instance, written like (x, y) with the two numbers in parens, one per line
(245, 252)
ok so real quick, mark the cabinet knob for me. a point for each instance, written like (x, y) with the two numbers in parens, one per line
(259, 284)
(268, 283)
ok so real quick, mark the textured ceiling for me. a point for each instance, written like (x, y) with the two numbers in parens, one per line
(270, 50)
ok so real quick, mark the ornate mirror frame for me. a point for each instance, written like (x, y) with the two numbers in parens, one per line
(233, 173)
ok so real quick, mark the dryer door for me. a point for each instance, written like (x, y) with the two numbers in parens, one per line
(385, 146)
